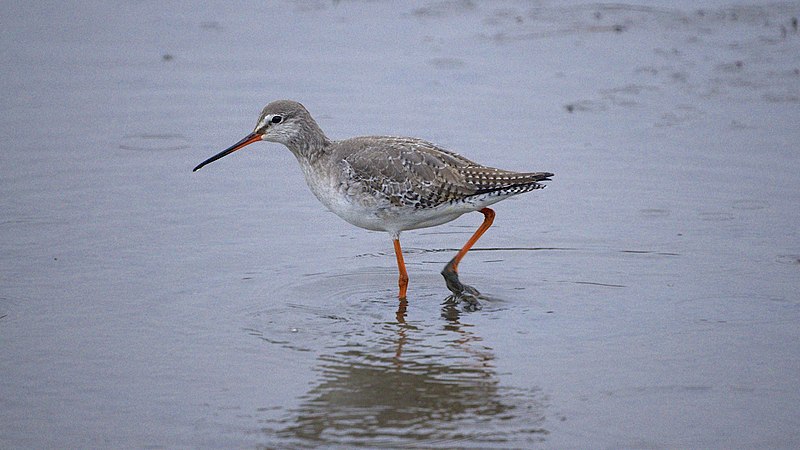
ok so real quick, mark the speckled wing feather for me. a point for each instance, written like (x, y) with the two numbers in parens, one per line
(415, 173)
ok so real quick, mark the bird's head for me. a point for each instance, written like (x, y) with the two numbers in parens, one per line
(283, 121)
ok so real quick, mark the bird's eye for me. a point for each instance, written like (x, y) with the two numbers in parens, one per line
(277, 119)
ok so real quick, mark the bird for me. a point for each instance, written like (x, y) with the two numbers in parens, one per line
(389, 183)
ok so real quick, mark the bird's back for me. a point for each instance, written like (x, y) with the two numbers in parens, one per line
(412, 172)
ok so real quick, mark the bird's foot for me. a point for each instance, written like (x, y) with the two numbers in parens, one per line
(461, 292)
(470, 301)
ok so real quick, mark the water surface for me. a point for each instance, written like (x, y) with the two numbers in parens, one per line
(647, 298)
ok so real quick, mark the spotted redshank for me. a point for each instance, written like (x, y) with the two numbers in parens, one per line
(391, 184)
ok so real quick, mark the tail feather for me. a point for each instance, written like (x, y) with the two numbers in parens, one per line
(513, 189)
(493, 180)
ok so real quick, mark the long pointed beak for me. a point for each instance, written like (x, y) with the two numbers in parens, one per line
(249, 139)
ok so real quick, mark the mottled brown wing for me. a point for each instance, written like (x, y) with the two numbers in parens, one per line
(407, 172)
(413, 172)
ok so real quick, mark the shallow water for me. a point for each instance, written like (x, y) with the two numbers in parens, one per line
(647, 298)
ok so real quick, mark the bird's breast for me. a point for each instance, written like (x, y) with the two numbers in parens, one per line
(344, 197)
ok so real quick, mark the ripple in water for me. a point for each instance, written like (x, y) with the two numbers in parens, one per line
(788, 259)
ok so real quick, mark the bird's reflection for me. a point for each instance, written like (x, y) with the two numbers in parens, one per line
(413, 384)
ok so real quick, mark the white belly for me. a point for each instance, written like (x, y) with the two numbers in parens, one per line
(349, 202)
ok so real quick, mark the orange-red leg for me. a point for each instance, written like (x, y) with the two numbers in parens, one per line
(450, 271)
(401, 266)
(488, 218)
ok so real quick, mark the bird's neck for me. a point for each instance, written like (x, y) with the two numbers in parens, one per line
(310, 144)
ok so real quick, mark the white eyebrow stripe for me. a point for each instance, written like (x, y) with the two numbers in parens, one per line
(264, 121)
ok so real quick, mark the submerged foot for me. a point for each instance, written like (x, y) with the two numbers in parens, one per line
(461, 292)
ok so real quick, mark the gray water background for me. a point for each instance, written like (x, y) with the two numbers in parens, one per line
(648, 298)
